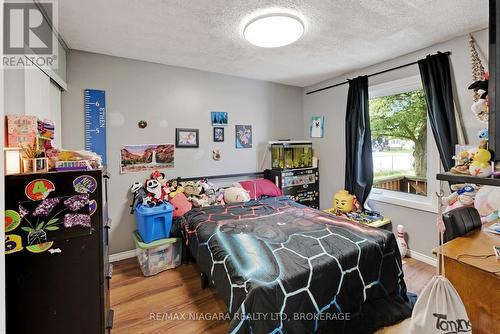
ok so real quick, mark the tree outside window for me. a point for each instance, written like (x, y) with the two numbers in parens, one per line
(399, 142)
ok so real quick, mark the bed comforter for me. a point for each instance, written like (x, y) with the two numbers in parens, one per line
(285, 268)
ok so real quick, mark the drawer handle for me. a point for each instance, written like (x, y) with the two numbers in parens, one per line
(110, 271)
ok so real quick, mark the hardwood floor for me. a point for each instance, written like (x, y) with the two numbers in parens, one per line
(140, 302)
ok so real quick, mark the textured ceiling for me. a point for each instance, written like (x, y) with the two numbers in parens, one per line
(341, 35)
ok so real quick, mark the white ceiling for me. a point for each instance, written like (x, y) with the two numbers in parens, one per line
(341, 35)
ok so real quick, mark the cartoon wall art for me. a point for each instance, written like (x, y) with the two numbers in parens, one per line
(317, 126)
(243, 134)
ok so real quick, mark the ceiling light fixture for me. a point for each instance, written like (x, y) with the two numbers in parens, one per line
(273, 31)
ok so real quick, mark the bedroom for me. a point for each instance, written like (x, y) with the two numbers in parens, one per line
(224, 132)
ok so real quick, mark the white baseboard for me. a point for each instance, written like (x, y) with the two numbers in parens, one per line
(422, 257)
(122, 255)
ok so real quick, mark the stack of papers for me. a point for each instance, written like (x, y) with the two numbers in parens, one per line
(495, 228)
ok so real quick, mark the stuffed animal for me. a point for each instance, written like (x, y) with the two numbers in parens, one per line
(487, 200)
(192, 188)
(140, 196)
(156, 193)
(236, 195)
(481, 108)
(480, 165)
(160, 177)
(463, 195)
(181, 204)
(462, 163)
(174, 187)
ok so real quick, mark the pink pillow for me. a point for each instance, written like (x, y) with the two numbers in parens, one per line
(181, 204)
(261, 187)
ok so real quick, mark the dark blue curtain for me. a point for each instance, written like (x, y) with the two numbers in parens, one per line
(436, 80)
(359, 161)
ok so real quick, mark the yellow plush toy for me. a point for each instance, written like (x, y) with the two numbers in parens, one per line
(480, 165)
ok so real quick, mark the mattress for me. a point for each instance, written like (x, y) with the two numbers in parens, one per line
(282, 267)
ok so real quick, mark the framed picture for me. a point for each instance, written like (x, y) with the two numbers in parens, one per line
(138, 158)
(243, 136)
(187, 138)
(219, 118)
(218, 134)
(317, 125)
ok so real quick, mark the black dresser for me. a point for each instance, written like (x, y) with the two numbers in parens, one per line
(57, 268)
(302, 184)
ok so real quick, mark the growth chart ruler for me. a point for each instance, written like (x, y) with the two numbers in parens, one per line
(95, 122)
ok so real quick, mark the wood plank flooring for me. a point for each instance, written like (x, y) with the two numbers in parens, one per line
(140, 302)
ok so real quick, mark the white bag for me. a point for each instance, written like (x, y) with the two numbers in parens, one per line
(439, 309)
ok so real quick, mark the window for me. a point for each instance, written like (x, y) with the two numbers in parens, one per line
(403, 148)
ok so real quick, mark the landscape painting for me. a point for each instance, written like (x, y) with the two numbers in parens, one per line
(138, 158)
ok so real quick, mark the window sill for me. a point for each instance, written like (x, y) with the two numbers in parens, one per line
(411, 201)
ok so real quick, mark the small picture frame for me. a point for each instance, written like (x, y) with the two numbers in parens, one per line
(187, 138)
(219, 118)
(218, 134)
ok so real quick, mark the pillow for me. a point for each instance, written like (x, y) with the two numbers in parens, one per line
(261, 187)
(181, 204)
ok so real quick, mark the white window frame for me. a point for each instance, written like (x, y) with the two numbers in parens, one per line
(419, 202)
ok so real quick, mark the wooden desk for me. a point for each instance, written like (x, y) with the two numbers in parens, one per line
(473, 278)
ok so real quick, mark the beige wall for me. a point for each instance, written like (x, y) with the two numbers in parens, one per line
(170, 97)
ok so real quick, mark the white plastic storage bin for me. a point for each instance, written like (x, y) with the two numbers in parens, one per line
(158, 255)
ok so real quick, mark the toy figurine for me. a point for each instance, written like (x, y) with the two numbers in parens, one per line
(480, 165)
(343, 201)
(403, 247)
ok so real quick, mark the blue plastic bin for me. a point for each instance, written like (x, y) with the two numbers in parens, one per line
(154, 223)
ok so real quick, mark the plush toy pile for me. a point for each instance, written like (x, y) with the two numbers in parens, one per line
(183, 195)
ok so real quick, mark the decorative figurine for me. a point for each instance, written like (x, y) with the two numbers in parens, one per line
(480, 165)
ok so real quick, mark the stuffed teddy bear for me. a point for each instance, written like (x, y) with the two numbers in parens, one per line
(236, 195)
(463, 195)
(192, 188)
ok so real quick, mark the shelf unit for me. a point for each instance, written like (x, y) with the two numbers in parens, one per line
(457, 178)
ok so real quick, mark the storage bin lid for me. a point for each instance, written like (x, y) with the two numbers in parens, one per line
(145, 210)
(161, 242)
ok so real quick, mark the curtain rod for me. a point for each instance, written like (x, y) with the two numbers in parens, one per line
(371, 75)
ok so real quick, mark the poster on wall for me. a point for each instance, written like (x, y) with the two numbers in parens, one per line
(138, 158)
(219, 118)
(317, 126)
(243, 135)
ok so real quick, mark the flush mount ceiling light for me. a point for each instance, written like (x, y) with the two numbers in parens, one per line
(272, 31)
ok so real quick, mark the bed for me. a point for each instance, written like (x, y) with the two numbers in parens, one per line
(282, 267)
